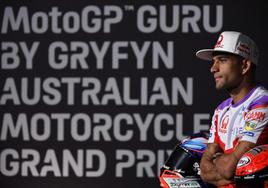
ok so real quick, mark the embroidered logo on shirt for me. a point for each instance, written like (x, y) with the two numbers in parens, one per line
(248, 133)
(250, 125)
(224, 123)
(258, 116)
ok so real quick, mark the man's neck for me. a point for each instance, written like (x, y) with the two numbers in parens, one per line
(241, 91)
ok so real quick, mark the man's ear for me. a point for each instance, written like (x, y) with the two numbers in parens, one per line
(246, 65)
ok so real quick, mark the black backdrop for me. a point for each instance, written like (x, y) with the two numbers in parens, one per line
(97, 93)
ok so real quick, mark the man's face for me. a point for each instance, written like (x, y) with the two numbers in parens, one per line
(227, 71)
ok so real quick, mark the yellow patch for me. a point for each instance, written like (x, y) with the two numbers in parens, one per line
(250, 126)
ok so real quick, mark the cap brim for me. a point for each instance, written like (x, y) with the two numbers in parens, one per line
(205, 54)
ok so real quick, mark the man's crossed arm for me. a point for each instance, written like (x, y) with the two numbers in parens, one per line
(218, 168)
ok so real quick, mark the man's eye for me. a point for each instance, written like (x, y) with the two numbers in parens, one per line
(223, 59)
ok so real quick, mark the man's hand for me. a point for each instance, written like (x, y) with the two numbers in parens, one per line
(226, 165)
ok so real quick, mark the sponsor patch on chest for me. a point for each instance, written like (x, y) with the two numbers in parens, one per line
(255, 116)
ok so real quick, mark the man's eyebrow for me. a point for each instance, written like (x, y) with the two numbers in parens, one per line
(222, 56)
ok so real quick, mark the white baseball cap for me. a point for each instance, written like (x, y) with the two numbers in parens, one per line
(235, 43)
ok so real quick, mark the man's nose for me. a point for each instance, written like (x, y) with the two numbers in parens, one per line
(214, 68)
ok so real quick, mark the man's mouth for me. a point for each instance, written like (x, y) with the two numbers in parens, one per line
(217, 78)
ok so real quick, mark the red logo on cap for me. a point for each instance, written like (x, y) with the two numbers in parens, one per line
(218, 43)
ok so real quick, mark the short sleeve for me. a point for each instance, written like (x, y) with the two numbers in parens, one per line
(213, 135)
(255, 128)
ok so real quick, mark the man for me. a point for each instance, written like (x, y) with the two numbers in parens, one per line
(240, 122)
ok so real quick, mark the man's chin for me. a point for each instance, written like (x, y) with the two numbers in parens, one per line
(225, 88)
(222, 88)
(219, 87)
